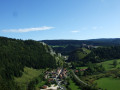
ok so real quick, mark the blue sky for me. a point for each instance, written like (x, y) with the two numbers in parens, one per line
(60, 19)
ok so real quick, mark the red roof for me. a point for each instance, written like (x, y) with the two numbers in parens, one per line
(44, 87)
(76, 71)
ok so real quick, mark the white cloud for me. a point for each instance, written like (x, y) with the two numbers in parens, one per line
(75, 31)
(28, 29)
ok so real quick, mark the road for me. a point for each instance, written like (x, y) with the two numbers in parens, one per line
(79, 79)
(59, 82)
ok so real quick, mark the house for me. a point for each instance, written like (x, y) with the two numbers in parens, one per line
(83, 69)
(76, 71)
(50, 80)
(44, 87)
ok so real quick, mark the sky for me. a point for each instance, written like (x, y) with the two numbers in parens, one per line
(60, 19)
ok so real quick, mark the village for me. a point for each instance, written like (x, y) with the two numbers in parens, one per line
(55, 79)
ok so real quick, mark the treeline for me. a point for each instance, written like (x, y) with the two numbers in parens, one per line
(80, 83)
(65, 50)
(102, 54)
(95, 42)
(78, 54)
(93, 69)
(67, 46)
(95, 56)
(16, 54)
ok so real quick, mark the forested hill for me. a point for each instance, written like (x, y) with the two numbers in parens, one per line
(103, 54)
(95, 42)
(16, 54)
(67, 46)
(78, 54)
(96, 55)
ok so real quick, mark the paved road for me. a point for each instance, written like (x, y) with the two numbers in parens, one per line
(59, 82)
(79, 79)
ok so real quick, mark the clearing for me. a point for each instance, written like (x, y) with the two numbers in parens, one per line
(73, 86)
(29, 74)
(109, 83)
(108, 65)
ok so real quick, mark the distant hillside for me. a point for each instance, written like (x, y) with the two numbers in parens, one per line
(95, 55)
(95, 42)
(67, 46)
(78, 54)
(103, 54)
(16, 54)
(65, 50)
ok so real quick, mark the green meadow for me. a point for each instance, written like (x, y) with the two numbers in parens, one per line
(81, 54)
(73, 86)
(108, 65)
(29, 74)
(109, 83)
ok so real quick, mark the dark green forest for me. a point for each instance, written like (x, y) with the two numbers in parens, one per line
(16, 54)
(102, 49)
(102, 54)
(67, 46)
(96, 55)
(95, 42)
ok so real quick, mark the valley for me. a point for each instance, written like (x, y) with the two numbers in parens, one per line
(38, 66)
(59, 44)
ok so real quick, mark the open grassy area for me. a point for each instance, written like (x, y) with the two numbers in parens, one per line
(40, 84)
(109, 64)
(28, 75)
(109, 83)
(73, 86)
(82, 53)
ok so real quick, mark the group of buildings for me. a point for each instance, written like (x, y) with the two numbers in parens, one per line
(53, 75)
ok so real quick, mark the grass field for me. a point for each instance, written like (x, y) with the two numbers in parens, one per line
(73, 86)
(109, 64)
(109, 83)
(81, 54)
(28, 75)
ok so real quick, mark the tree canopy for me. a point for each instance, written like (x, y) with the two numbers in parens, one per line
(16, 54)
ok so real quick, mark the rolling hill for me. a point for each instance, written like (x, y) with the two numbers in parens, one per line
(17, 54)
(67, 46)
